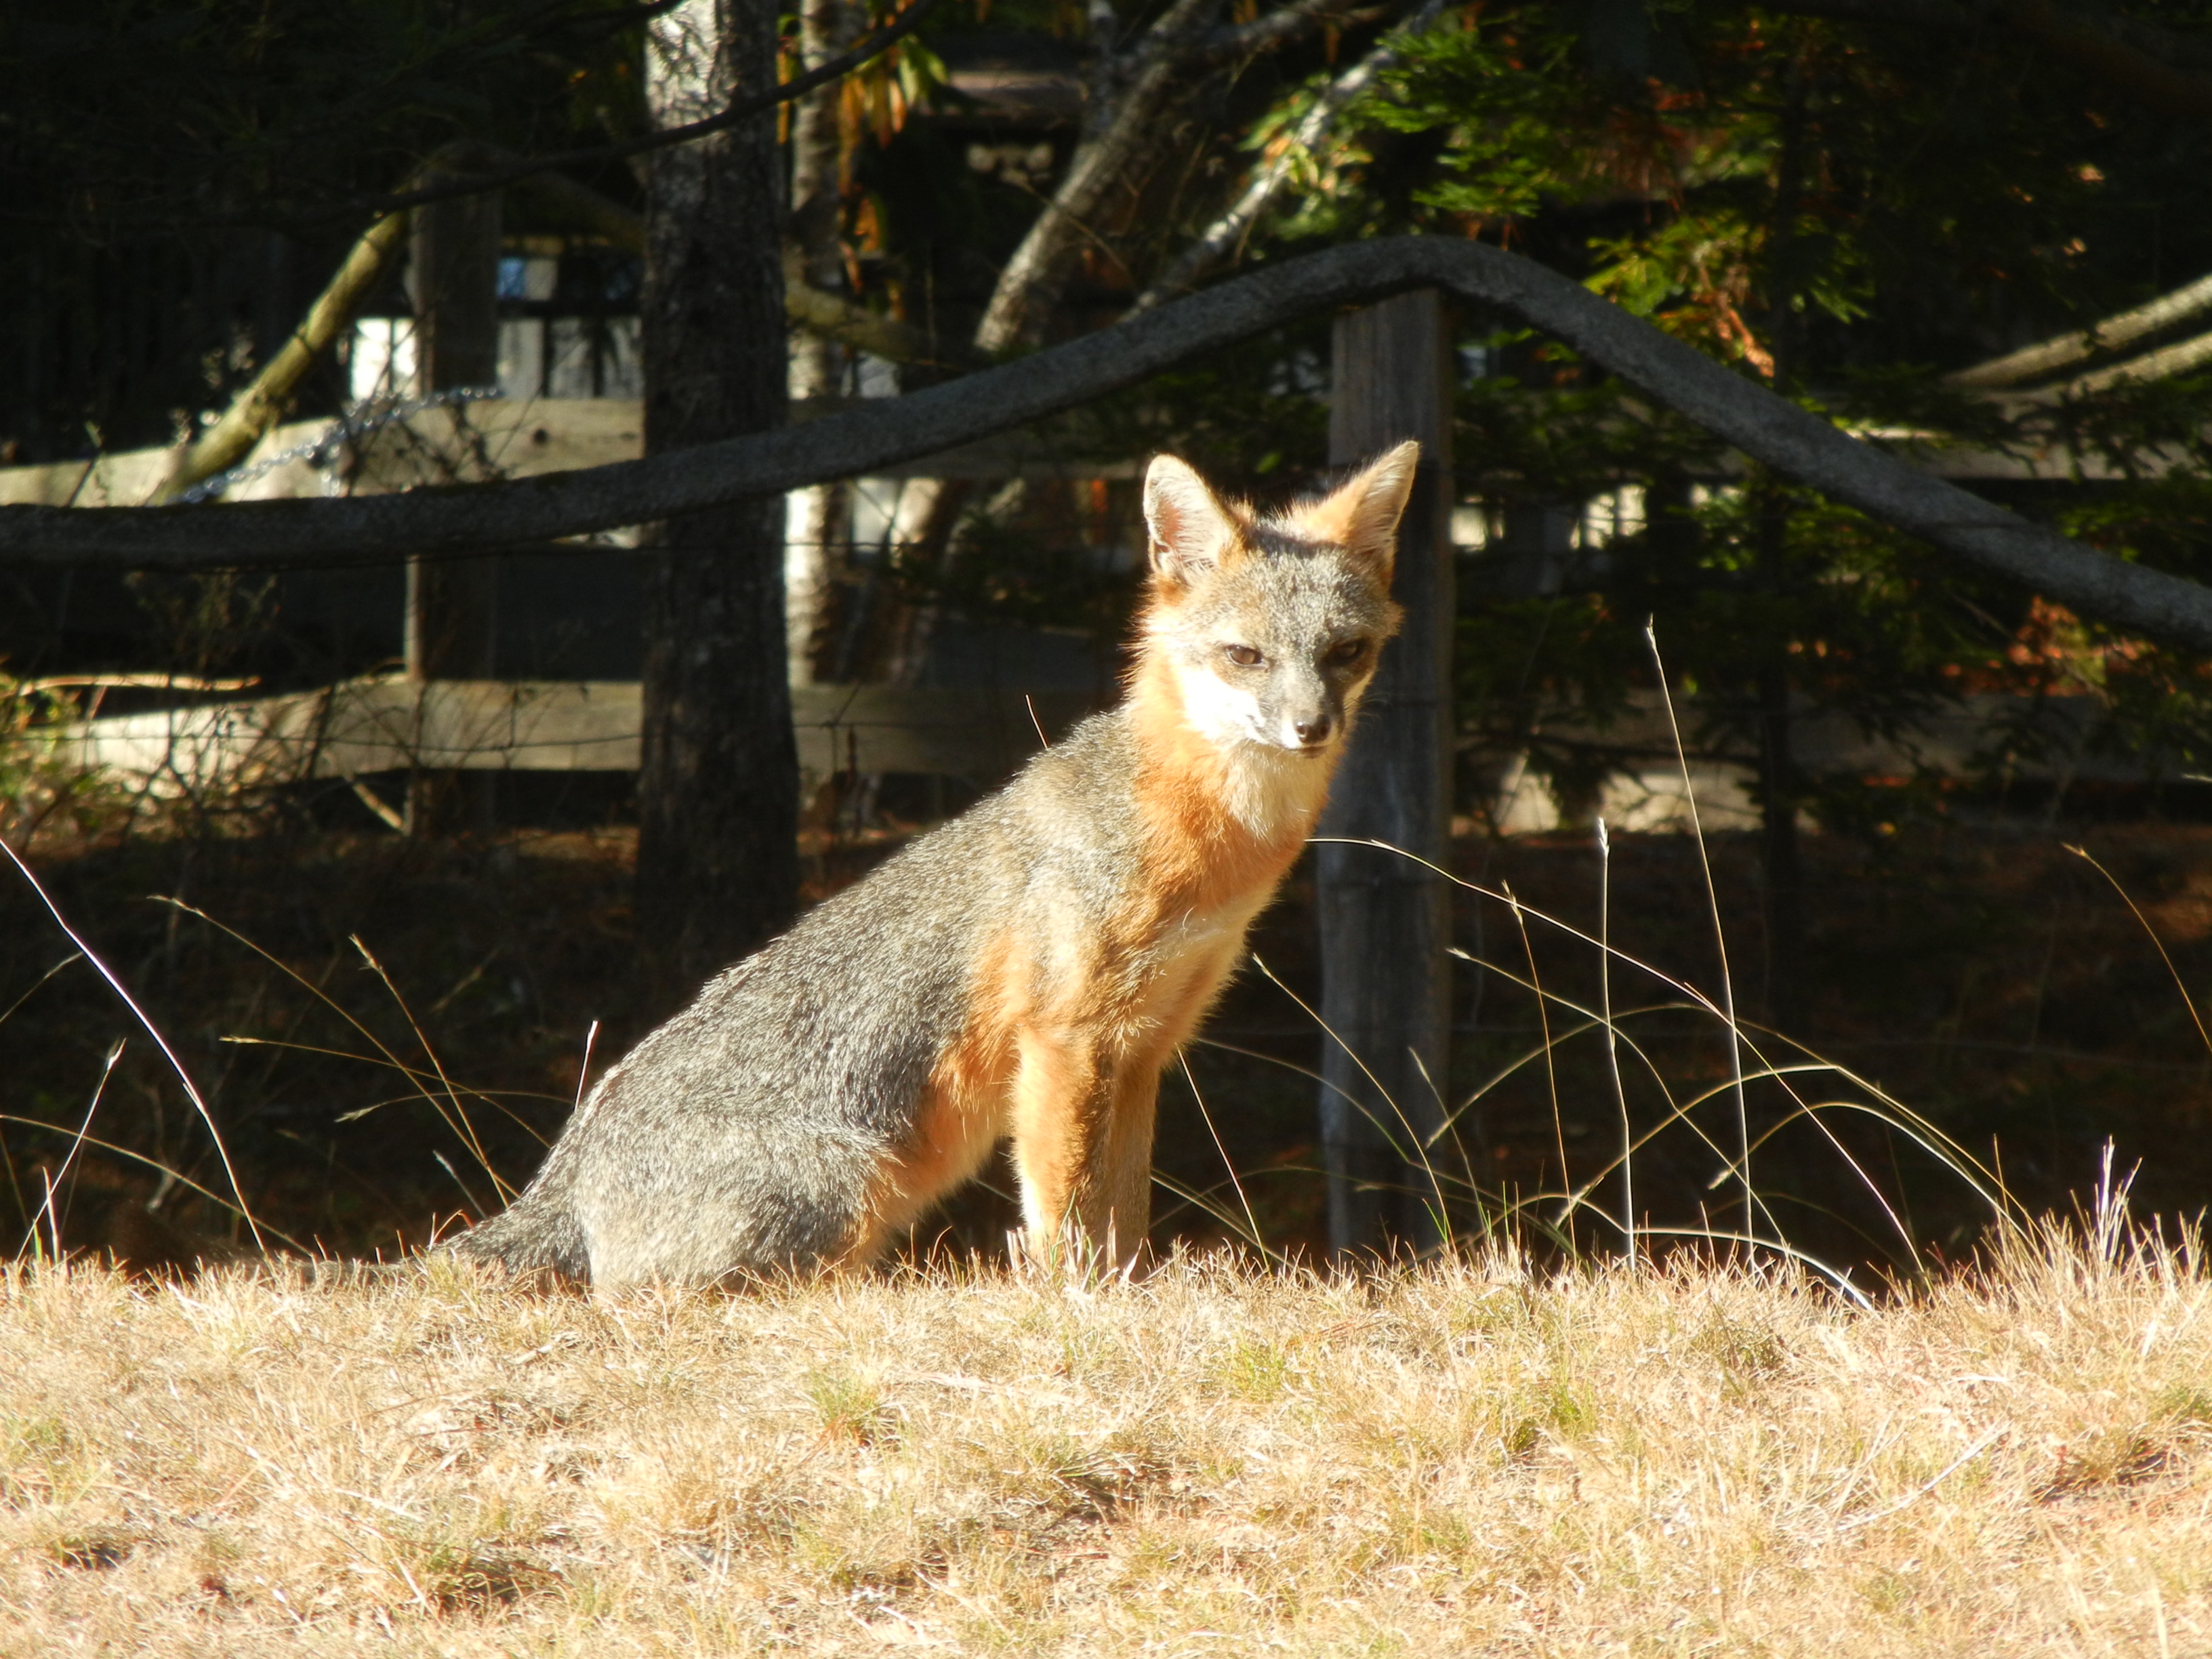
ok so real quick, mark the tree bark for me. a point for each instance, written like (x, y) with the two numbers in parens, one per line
(451, 631)
(817, 516)
(717, 792)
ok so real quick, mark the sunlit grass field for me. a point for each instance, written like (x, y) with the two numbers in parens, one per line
(1469, 1456)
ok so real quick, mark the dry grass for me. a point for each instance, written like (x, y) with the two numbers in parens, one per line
(1467, 1457)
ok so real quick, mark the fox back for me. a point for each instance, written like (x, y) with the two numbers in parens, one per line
(1022, 972)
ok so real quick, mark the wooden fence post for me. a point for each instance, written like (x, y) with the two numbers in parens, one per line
(451, 622)
(1385, 920)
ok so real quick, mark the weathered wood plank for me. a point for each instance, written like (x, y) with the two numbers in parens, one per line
(389, 724)
(1385, 918)
(516, 438)
(382, 725)
(531, 437)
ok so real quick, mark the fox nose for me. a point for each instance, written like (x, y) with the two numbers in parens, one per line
(1312, 733)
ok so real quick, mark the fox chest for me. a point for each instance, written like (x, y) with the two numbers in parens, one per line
(1132, 949)
(1168, 977)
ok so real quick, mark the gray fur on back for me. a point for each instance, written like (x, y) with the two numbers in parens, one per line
(744, 1134)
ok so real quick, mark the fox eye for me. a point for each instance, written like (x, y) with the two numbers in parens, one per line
(1345, 652)
(1243, 656)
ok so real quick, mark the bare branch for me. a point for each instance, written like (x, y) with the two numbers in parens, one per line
(2086, 43)
(263, 403)
(2175, 359)
(1214, 243)
(1176, 50)
(833, 317)
(2048, 357)
(567, 200)
(1033, 278)
(472, 518)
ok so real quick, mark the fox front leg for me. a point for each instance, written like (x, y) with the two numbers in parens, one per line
(1113, 1196)
(1083, 1146)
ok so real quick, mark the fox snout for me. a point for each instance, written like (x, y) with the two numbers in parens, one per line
(1307, 722)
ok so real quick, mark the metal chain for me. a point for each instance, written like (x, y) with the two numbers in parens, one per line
(358, 422)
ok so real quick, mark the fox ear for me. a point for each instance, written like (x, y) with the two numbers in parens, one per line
(1191, 530)
(1361, 516)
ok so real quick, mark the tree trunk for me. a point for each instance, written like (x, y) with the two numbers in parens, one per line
(718, 785)
(451, 631)
(819, 516)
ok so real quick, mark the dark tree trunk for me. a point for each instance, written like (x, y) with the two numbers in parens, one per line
(451, 626)
(718, 787)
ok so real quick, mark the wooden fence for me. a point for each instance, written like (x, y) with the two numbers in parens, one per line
(390, 723)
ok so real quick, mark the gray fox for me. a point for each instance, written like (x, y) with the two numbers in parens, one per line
(1023, 971)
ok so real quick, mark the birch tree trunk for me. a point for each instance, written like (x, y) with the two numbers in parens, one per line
(717, 792)
(818, 518)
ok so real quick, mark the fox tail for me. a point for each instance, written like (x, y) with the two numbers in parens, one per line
(537, 1233)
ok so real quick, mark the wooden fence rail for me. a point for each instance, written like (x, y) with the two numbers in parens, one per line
(392, 724)
(388, 724)
(513, 438)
